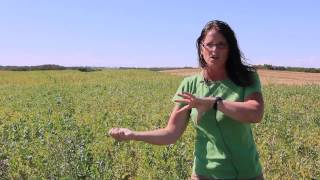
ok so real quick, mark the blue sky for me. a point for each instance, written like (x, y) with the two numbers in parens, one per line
(143, 33)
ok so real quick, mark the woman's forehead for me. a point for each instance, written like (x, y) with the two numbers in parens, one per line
(214, 35)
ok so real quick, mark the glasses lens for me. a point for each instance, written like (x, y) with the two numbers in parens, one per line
(218, 46)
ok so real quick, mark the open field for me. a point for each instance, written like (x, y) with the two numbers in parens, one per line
(267, 76)
(53, 125)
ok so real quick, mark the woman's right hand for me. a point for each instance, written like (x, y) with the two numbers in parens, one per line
(201, 104)
(121, 134)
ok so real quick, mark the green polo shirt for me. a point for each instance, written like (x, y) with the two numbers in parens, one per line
(224, 147)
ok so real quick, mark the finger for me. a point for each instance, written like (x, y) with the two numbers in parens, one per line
(187, 107)
(189, 94)
(114, 132)
(111, 131)
(117, 135)
(184, 96)
(121, 135)
(182, 101)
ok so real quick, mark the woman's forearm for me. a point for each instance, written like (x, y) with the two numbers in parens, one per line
(249, 111)
(168, 135)
(158, 136)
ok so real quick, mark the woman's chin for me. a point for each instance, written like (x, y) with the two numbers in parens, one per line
(214, 64)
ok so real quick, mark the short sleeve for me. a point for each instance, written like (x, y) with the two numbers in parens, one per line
(184, 87)
(255, 87)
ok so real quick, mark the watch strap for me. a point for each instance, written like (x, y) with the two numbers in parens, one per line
(216, 101)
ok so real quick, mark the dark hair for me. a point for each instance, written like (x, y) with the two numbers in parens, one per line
(237, 70)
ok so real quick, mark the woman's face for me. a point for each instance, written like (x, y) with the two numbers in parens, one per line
(214, 49)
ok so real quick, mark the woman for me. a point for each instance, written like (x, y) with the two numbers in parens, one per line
(222, 101)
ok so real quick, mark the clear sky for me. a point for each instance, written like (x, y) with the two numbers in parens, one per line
(151, 33)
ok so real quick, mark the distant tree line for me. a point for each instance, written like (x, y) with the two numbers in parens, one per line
(157, 68)
(90, 69)
(285, 68)
(47, 67)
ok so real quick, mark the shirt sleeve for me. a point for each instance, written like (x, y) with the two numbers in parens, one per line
(184, 87)
(255, 87)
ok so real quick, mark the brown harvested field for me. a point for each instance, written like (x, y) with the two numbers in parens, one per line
(267, 76)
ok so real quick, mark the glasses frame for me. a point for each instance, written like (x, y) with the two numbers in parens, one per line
(217, 46)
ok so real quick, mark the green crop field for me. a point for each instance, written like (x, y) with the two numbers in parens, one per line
(53, 125)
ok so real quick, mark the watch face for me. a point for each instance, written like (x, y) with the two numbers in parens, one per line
(217, 100)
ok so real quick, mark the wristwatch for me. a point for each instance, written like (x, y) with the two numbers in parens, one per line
(216, 101)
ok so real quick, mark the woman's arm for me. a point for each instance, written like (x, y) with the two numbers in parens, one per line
(170, 134)
(251, 110)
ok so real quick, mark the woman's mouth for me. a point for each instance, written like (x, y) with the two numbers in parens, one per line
(215, 58)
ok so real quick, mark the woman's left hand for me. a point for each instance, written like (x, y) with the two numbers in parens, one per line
(201, 104)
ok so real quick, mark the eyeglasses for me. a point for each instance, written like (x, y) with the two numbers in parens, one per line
(210, 46)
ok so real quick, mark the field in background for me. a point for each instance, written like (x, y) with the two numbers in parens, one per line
(267, 76)
(53, 125)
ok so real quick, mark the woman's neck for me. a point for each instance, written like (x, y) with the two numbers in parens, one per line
(214, 74)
